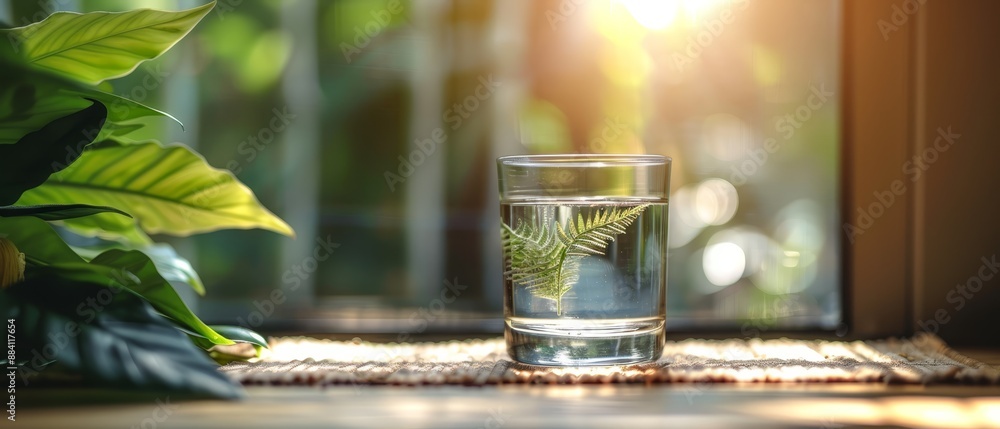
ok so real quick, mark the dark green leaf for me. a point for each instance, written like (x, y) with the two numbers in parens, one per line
(51, 212)
(29, 162)
(132, 270)
(37, 240)
(38, 97)
(111, 338)
(155, 289)
(171, 265)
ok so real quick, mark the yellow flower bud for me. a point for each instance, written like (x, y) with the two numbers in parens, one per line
(11, 263)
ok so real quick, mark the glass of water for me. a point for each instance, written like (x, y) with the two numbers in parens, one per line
(585, 257)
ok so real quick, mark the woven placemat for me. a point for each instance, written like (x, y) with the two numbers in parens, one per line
(922, 359)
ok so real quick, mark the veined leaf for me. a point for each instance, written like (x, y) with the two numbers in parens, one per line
(95, 46)
(125, 344)
(51, 212)
(111, 228)
(169, 190)
(31, 98)
(29, 162)
(544, 256)
(27, 105)
(133, 271)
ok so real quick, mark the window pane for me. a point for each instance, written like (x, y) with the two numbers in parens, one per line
(373, 126)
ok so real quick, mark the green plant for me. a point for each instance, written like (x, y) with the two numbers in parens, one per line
(69, 168)
(545, 257)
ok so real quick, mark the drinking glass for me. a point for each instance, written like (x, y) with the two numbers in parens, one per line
(584, 248)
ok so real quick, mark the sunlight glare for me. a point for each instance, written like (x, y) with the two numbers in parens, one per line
(660, 14)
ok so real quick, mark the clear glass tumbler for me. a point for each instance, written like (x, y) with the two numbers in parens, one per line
(585, 257)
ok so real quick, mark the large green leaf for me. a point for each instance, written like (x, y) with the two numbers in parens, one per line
(37, 240)
(168, 190)
(172, 266)
(52, 212)
(31, 98)
(117, 340)
(110, 228)
(132, 270)
(29, 162)
(26, 104)
(155, 289)
(96, 46)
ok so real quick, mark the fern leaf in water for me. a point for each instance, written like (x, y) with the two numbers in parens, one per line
(544, 256)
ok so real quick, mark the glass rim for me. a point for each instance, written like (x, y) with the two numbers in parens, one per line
(584, 160)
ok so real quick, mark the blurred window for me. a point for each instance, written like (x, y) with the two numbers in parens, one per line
(372, 126)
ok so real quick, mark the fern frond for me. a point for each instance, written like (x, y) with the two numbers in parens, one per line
(546, 259)
(592, 236)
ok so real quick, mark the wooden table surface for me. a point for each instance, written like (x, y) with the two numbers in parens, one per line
(517, 406)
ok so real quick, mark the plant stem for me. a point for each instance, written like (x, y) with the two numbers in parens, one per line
(562, 260)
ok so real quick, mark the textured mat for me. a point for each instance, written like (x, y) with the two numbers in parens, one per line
(922, 359)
